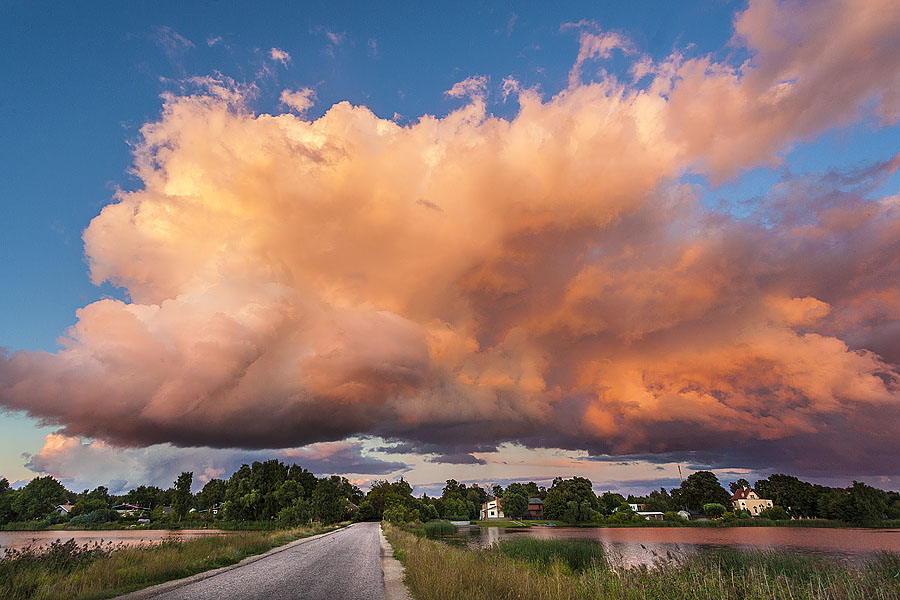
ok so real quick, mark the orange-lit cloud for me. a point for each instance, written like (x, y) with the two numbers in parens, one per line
(472, 280)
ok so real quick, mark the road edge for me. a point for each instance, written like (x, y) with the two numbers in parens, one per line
(149, 592)
(392, 570)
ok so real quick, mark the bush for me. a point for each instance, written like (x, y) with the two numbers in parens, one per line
(55, 518)
(714, 509)
(298, 513)
(776, 513)
(440, 528)
(104, 515)
(401, 514)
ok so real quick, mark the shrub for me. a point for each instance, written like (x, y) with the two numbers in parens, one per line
(104, 515)
(400, 514)
(776, 513)
(298, 513)
(714, 509)
(55, 518)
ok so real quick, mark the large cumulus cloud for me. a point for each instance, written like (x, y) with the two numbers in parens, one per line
(471, 279)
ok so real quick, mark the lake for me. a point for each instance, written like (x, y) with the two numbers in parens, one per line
(632, 546)
(128, 537)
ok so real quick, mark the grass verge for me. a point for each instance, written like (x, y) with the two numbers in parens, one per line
(69, 571)
(436, 571)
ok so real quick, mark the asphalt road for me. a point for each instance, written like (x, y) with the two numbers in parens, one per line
(344, 565)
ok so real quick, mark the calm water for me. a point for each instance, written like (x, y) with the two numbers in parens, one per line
(20, 539)
(643, 545)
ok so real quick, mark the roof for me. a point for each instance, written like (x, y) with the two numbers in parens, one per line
(742, 493)
(535, 501)
(129, 507)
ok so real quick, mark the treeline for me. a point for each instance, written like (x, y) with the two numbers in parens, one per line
(289, 494)
(574, 501)
(263, 491)
(858, 504)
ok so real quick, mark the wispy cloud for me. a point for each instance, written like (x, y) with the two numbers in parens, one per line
(279, 55)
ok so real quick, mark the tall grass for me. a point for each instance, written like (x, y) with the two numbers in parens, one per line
(439, 528)
(576, 555)
(435, 571)
(69, 571)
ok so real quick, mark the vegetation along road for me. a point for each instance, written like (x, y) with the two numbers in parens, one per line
(344, 564)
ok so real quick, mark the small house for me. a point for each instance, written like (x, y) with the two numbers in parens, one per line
(747, 499)
(65, 509)
(129, 510)
(535, 508)
(637, 507)
(650, 515)
(492, 509)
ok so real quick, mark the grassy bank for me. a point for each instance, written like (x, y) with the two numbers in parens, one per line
(69, 571)
(577, 570)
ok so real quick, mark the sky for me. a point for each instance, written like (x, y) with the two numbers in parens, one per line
(488, 241)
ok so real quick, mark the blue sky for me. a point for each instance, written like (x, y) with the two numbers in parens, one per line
(77, 82)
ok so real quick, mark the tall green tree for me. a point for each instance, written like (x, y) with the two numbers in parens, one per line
(39, 498)
(328, 502)
(609, 502)
(799, 498)
(564, 491)
(515, 506)
(181, 502)
(6, 497)
(701, 488)
(146, 496)
(213, 493)
(740, 484)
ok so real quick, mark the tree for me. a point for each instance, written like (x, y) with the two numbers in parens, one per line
(38, 499)
(213, 493)
(713, 509)
(328, 503)
(145, 496)
(740, 484)
(563, 491)
(701, 488)
(867, 504)
(297, 513)
(660, 500)
(610, 502)
(529, 490)
(6, 497)
(181, 502)
(515, 506)
(570, 512)
(798, 497)
(367, 512)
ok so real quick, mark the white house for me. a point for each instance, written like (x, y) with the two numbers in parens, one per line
(650, 515)
(492, 509)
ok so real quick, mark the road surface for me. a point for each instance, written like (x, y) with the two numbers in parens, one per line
(344, 565)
